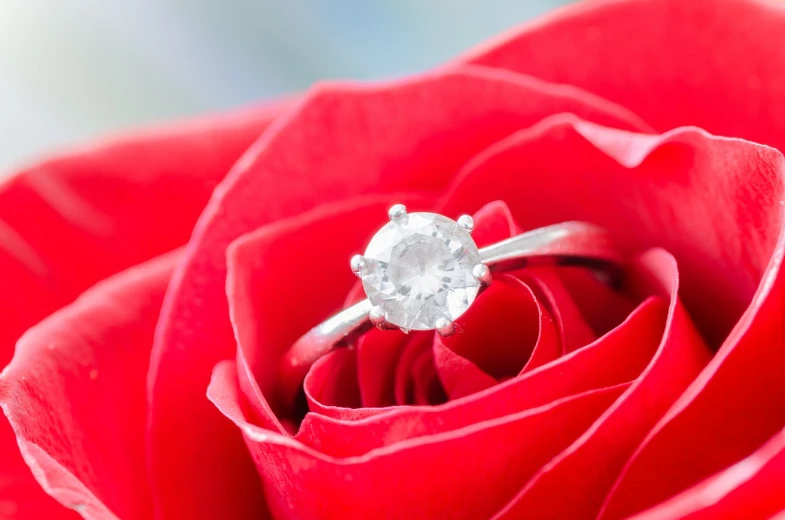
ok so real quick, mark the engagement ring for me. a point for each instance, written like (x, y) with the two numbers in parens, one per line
(423, 271)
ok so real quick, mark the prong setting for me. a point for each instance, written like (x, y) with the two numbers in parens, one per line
(466, 222)
(401, 262)
(397, 212)
(444, 327)
(358, 263)
(482, 274)
(377, 317)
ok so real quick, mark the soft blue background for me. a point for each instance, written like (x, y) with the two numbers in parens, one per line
(74, 69)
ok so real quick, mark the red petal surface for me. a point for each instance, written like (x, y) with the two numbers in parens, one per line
(751, 488)
(71, 221)
(708, 63)
(377, 355)
(493, 223)
(716, 204)
(459, 376)
(420, 344)
(569, 375)
(332, 383)
(74, 394)
(502, 329)
(68, 222)
(341, 143)
(723, 234)
(559, 303)
(589, 467)
(733, 407)
(428, 388)
(301, 483)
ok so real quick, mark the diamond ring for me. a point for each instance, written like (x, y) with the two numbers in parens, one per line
(422, 271)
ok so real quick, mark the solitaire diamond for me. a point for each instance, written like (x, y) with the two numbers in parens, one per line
(418, 269)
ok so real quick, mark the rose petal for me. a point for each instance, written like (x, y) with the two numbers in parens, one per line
(378, 352)
(569, 375)
(493, 223)
(502, 329)
(751, 488)
(332, 382)
(418, 344)
(409, 479)
(573, 331)
(459, 376)
(589, 467)
(74, 394)
(724, 236)
(350, 137)
(598, 304)
(71, 221)
(709, 63)
(727, 413)
(428, 388)
(68, 222)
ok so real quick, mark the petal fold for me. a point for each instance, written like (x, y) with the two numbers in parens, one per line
(706, 63)
(74, 394)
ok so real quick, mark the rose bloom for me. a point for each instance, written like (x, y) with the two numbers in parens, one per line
(152, 285)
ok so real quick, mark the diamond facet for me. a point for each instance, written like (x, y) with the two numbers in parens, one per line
(418, 268)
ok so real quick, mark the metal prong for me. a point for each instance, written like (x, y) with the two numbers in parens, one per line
(358, 262)
(466, 222)
(482, 274)
(397, 212)
(376, 315)
(444, 327)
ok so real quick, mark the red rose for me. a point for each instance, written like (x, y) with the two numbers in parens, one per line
(143, 378)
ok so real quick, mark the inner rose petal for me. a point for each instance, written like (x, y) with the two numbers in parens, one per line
(500, 332)
(416, 349)
(502, 329)
(507, 335)
(572, 327)
(591, 464)
(412, 474)
(332, 382)
(621, 355)
(427, 389)
(378, 353)
(459, 376)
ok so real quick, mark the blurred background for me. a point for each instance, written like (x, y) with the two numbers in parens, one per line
(71, 70)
